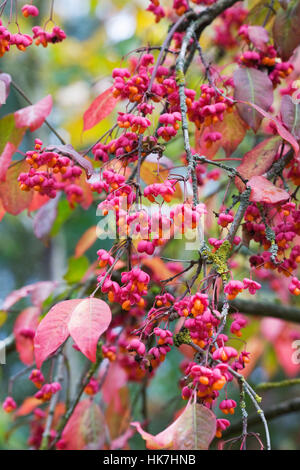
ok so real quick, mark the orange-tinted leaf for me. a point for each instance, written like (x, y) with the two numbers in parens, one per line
(13, 199)
(151, 172)
(262, 190)
(28, 406)
(90, 318)
(258, 160)
(100, 108)
(86, 428)
(34, 116)
(158, 267)
(193, 430)
(86, 241)
(87, 198)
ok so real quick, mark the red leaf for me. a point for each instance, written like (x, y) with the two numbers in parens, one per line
(34, 116)
(100, 108)
(262, 190)
(28, 319)
(13, 199)
(282, 131)
(193, 430)
(290, 115)
(86, 241)
(84, 319)
(90, 318)
(53, 331)
(38, 291)
(86, 428)
(252, 86)
(5, 159)
(258, 160)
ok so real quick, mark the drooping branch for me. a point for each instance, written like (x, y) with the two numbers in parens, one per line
(273, 412)
(264, 309)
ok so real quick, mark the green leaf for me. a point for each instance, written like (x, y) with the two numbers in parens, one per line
(77, 269)
(9, 132)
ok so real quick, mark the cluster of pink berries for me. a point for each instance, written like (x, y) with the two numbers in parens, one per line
(30, 10)
(7, 39)
(170, 126)
(239, 322)
(37, 378)
(294, 286)
(209, 108)
(137, 123)
(233, 288)
(9, 405)
(60, 175)
(22, 41)
(44, 38)
(264, 59)
(166, 190)
(225, 218)
(157, 10)
(47, 390)
(132, 291)
(286, 226)
(92, 387)
(104, 258)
